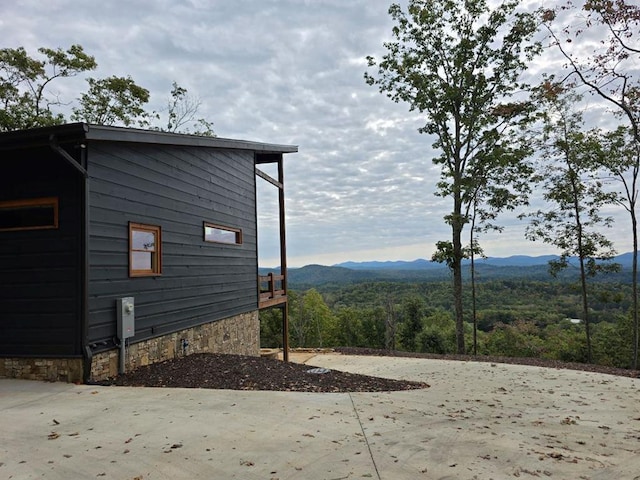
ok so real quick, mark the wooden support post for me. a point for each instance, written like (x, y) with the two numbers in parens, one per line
(283, 261)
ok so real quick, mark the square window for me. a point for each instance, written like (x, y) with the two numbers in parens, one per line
(145, 255)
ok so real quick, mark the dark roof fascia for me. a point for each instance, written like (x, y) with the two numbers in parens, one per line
(78, 132)
(38, 137)
(119, 134)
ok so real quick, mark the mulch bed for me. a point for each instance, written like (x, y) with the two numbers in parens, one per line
(240, 372)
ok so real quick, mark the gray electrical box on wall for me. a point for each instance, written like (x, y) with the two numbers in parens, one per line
(126, 317)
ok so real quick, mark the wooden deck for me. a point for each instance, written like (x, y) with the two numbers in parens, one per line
(271, 290)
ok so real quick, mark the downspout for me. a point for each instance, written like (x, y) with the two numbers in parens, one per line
(87, 354)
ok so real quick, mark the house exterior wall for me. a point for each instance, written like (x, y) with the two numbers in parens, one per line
(239, 335)
(177, 188)
(59, 287)
(40, 279)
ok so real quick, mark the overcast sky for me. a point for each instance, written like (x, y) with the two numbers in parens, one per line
(290, 72)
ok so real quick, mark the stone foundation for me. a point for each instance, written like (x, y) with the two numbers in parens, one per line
(239, 335)
(49, 369)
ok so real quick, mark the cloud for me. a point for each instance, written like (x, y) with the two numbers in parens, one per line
(279, 71)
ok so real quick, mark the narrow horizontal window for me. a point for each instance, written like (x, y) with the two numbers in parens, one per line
(29, 214)
(220, 234)
(145, 250)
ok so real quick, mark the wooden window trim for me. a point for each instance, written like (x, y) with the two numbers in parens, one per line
(32, 202)
(156, 254)
(237, 231)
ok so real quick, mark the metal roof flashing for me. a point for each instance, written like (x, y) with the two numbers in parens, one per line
(74, 132)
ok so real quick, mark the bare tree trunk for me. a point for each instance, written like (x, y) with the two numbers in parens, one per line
(634, 223)
(583, 273)
(390, 331)
(474, 311)
(585, 307)
(473, 298)
(457, 282)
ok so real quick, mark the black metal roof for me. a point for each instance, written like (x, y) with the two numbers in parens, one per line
(75, 132)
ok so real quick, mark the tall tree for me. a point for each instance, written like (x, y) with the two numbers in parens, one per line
(25, 97)
(571, 182)
(609, 71)
(458, 62)
(622, 160)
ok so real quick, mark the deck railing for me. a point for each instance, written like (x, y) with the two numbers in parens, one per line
(271, 288)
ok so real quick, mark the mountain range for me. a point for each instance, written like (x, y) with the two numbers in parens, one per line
(624, 260)
(491, 268)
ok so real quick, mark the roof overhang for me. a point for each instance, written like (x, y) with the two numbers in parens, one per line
(82, 132)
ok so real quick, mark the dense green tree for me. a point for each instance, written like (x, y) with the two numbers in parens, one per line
(349, 328)
(520, 339)
(311, 322)
(411, 316)
(26, 100)
(458, 62)
(271, 328)
(374, 327)
(25, 97)
(438, 334)
(113, 101)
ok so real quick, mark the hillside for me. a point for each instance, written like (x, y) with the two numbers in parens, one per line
(492, 268)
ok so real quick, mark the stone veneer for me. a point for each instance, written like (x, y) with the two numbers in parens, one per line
(239, 334)
(50, 369)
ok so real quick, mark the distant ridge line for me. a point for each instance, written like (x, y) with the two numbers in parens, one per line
(624, 259)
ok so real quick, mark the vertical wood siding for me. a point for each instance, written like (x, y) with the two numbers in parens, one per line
(177, 188)
(39, 269)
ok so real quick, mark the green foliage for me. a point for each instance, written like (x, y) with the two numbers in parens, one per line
(311, 322)
(25, 101)
(458, 62)
(113, 101)
(373, 324)
(411, 315)
(517, 318)
(356, 327)
(519, 339)
(438, 334)
(271, 328)
(611, 345)
(575, 193)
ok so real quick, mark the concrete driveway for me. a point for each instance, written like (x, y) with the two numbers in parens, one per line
(476, 421)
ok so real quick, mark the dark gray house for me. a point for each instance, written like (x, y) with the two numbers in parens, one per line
(121, 247)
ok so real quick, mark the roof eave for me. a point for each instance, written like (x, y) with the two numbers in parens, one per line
(78, 132)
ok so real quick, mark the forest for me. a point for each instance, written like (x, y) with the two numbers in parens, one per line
(516, 317)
